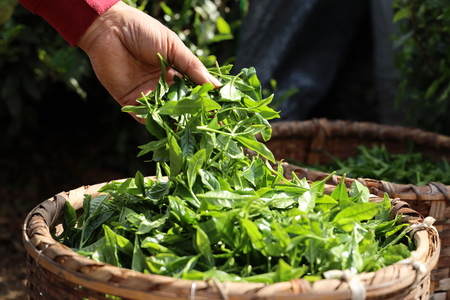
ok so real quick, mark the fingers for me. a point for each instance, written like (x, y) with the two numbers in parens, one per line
(187, 63)
(197, 72)
(214, 80)
(132, 40)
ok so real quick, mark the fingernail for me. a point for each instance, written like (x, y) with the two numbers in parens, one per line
(214, 80)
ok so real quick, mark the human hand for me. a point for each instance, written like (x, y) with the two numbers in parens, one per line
(122, 45)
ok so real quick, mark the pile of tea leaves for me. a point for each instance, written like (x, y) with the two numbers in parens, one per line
(212, 211)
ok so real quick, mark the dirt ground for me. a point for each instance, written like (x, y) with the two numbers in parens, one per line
(12, 257)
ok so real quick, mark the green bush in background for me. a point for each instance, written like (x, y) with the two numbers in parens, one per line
(32, 58)
(423, 61)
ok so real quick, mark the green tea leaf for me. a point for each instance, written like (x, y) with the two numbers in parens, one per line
(307, 201)
(177, 90)
(340, 192)
(124, 245)
(230, 148)
(138, 262)
(384, 212)
(209, 180)
(152, 124)
(140, 111)
(183, 214)
(146, 226)
(394, 254)
(203, 246)
(187, 142)
(219, 199)
(279, 233)
(357, 189)
(358, 212)
(139, 182)
(254, 234)
(230, 92)
(254, 173)
(109, 249)
(256, 146)
(284, 272)
(154, 146)
(195, 163)
(188, 106)
(202, 90)
(162, 86)
(69, 220)
(325, 203)
(176, 159)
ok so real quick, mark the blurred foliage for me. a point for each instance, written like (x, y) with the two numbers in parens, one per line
(207, 27)
(34, 57)
(423, 60)
(6, 10)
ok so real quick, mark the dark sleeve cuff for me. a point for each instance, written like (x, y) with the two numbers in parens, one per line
(71, 18)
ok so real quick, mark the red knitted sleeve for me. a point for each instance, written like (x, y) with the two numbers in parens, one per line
(71, 18)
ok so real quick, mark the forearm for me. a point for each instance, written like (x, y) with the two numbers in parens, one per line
(71, 18)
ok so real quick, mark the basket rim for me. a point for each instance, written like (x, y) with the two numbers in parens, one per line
(432, 191)
(348, 128)
(48, 254)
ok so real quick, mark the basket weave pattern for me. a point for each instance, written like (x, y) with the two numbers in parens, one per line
(316, 141)
(56, 272)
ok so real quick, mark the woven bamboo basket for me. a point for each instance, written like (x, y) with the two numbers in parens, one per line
(56, 272)
(317, 141)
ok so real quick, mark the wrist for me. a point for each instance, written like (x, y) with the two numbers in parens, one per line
(107, 21)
